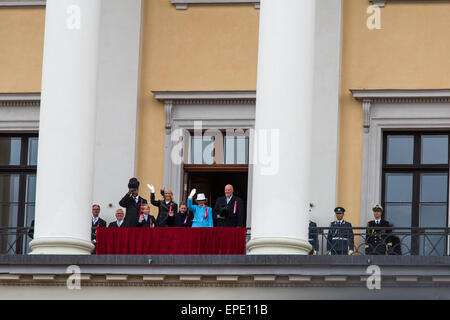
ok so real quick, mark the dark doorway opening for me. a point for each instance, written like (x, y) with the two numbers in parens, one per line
(212, 183)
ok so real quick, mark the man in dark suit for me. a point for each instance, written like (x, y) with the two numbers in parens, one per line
(229, 210)
(340, 239)
(377, 240)
(96, 222)
(119, 219)
(313, 236)
(132, 202)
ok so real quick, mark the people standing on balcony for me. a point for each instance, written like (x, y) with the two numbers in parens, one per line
(229, 210)
(166, 206)
(313, 236)
(145, 218)
(377, 240)
(96, 222)
(340, 239)
(133, 203)
(202, 213)
(180, 219)
(119, 220)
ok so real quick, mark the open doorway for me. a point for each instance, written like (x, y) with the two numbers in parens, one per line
(212, 183)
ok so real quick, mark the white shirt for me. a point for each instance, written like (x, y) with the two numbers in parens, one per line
(119, 223)
(228, 199)
(377, 221)
(94, 220)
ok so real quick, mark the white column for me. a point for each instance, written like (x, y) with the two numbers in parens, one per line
(67, 128)
(281, 186)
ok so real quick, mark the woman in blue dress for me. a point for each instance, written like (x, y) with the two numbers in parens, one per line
(202, 213)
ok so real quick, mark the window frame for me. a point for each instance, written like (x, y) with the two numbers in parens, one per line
(23, 170)
(416, 169)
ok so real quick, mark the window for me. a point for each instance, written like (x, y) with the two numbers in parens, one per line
(18, 160)
(415, 185)
(218, 147)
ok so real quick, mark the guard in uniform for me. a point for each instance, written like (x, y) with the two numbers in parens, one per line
(313, 237)
(377, 240)
(340, 239)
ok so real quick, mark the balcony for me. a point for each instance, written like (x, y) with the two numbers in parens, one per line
(384, 241)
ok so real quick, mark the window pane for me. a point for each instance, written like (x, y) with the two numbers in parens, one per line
(30, 196)
(400, 150)
(399, 215)
(236, 150)
(434, 149)
(32, 151)
(9, 188)
(10, 151)
(9, 199)
(202, 150)
(433, 187)
(399, 187)
(433, 216)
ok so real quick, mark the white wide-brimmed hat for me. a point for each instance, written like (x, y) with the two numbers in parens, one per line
(200, 196)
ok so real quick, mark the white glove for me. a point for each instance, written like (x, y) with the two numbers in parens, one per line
(328, 253)
(350, 252)
(192, 193)
(152, 188)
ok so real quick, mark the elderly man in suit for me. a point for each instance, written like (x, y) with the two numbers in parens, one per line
(119, 219)
(229, 210)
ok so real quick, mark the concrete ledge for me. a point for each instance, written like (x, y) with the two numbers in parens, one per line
(335, 278)
(264, 278)
(44, 277)
(116, 277)
(191, 278)
(196, 260)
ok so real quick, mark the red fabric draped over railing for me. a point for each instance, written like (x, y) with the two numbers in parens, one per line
(171, 240)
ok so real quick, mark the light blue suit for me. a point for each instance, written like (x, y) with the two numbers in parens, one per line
(199, 215)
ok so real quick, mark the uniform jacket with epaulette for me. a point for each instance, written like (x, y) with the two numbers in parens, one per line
(377, 240)
(340, 237)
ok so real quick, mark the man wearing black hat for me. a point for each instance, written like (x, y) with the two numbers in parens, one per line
(340, 240)
(132, 202)
(376, 238)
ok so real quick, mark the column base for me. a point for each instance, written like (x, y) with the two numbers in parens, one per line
(275, 245)
(69, 246)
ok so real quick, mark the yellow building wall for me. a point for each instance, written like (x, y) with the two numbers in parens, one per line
(21, 49)
(203, 48)
(411, 51)
(215, 48)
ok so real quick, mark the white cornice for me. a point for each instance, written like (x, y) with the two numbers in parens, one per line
(206, 97)
(171, 98)
(183, 4)
(23, 3)
(402, 95)
(370, 96)
(20, 99)
(382, 3)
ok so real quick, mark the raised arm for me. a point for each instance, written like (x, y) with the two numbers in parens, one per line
(125, 200)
